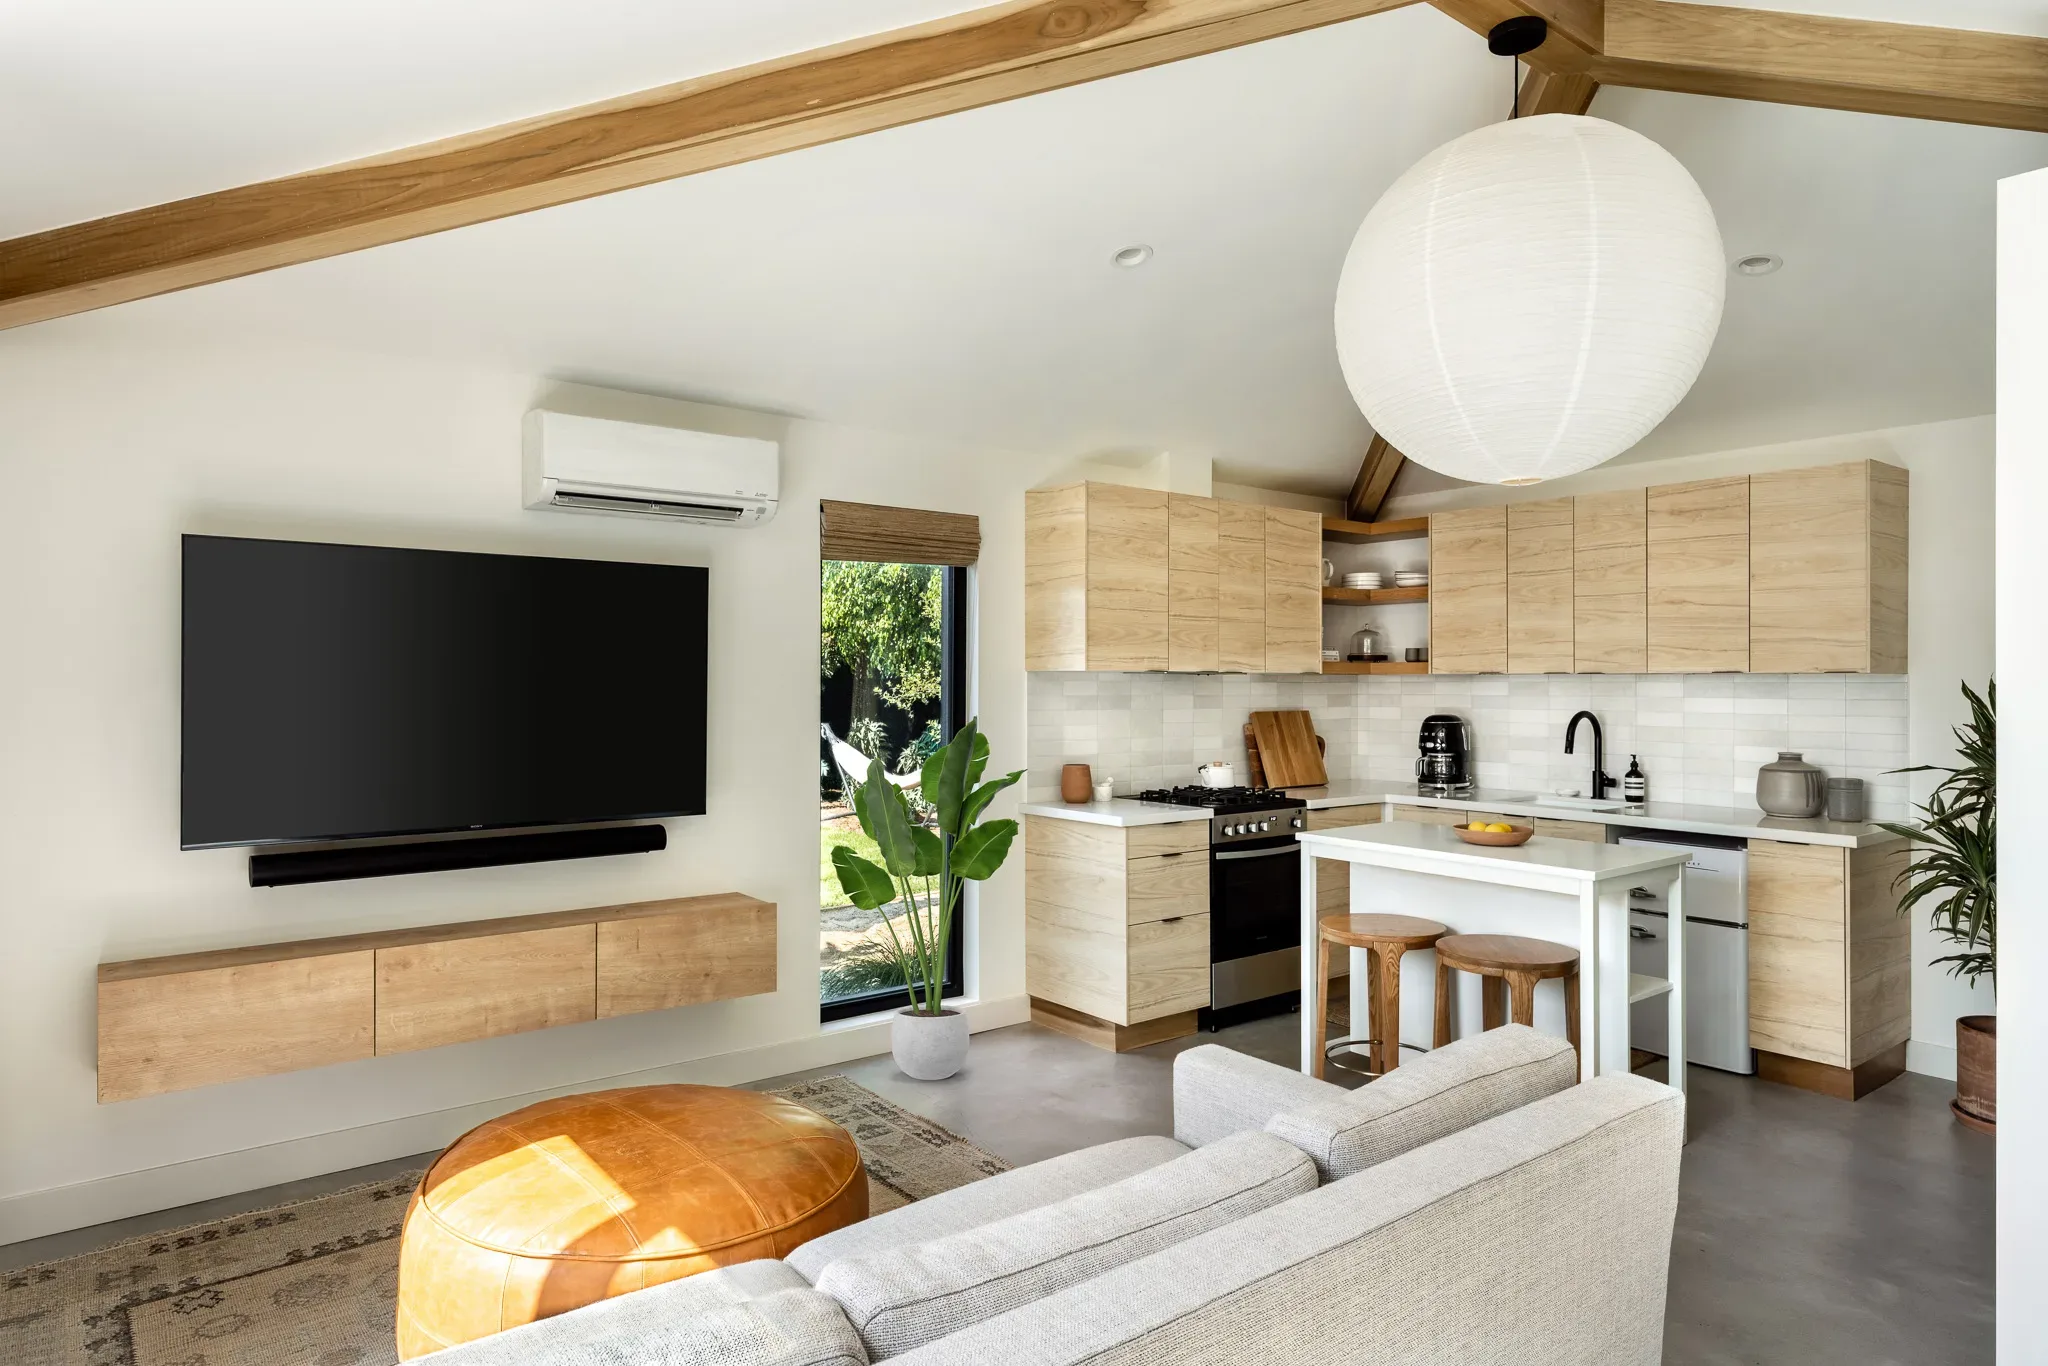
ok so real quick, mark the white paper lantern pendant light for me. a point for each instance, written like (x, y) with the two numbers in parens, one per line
(1530, 299)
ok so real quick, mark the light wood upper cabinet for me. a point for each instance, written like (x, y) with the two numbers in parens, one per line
(1468, 591)
(1241, 587)
(1698, 619)
(1609, 582)
(1119, 578)
(1540, 587)
(1192, 570)
(1827, 570)
(1095, 578)
(1294, 591)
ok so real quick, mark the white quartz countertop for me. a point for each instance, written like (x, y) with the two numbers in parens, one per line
(1439, 843)
(1734, 822)
(1117, 811)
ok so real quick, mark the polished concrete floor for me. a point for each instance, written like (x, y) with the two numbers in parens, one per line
(1810, 1231)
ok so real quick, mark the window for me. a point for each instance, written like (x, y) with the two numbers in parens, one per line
(892, 685)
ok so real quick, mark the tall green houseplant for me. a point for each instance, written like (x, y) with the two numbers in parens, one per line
(1954, 868)
(926, 867)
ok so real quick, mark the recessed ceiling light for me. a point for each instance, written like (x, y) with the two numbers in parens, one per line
(1133, 256)
(1760, 264)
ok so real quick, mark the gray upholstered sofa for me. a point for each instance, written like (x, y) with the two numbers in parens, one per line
(1473, 1207)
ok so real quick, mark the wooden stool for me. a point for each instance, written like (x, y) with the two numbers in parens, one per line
(1385, 938)
(1512, 966)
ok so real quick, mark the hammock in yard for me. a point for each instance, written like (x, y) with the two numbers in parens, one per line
(853, 765)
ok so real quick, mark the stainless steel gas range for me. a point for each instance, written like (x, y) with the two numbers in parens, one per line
(1254, 898)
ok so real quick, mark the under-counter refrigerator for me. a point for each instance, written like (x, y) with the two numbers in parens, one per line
(1716, 952)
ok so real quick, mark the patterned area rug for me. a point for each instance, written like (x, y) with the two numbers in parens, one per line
(313, 1283)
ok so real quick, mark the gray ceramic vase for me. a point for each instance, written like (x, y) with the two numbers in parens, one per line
(928, 1047)
(1791, 787)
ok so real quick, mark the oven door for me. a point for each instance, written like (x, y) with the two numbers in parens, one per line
(1254, 922)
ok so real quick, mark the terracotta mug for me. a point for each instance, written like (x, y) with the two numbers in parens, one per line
(1076, 783)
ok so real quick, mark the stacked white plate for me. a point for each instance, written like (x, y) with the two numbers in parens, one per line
(1411, 578)
(1363, 580)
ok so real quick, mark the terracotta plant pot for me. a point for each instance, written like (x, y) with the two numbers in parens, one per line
(1076, 783)
(1976, 1102)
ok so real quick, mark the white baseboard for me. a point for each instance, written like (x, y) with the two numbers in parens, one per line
(57, 1209)
(1931, 1059)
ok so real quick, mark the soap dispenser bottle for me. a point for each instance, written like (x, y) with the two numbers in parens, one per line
(1635, 788)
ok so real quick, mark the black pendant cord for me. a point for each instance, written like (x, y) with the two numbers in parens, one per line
(1516, 38)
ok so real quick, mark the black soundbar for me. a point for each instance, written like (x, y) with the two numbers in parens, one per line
(434, 856)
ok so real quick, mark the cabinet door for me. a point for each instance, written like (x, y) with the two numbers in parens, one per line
(1056, 578)
(1168, 968)
(456, 990)
(1294, 591)
(1798, 965)
(1127, 578)
(1698, 619)
(1333, 876)
(1241, 587)
(1191, 573)
(1809, 594)
(1468, 591)
(1609, 582)
(1540, 587)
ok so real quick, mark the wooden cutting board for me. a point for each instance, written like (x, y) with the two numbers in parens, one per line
(1256, 772)
(1287, 749)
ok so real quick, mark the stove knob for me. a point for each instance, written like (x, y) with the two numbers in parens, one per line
(1229, 830)
(1265, 825)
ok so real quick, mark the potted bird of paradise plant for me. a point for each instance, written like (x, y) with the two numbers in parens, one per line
(1954, 871)
(923, 871)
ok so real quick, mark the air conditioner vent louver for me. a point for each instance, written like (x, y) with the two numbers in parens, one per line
(630, 469)
(648, 507)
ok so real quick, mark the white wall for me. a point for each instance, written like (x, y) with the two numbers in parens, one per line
(2023, 769)
(110, 448)
(1950, 611)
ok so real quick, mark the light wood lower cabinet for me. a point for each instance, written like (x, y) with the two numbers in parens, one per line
(1830, 1001)
(1431, 815)
(168, 1024)
(1584, 831)
(1116, 943)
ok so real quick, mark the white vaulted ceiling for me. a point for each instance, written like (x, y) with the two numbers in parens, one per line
(953, 277)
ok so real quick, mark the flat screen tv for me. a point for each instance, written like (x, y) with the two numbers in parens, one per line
(338, 692)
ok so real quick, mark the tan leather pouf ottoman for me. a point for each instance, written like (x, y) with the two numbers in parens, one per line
(574, 1200)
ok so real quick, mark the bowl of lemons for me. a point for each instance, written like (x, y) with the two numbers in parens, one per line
(1497, 833)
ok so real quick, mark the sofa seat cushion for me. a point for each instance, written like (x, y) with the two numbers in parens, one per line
(1438, 1094)
(758, 1313)
(984, 1202)
(903, 1298)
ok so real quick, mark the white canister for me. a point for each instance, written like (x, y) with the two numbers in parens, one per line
(1105, 789)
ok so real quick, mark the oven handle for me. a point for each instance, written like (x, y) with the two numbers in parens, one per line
(1257, 853)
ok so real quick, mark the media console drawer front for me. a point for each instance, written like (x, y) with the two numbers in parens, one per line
(169, 1024)
(255, 1019)
(458, 990)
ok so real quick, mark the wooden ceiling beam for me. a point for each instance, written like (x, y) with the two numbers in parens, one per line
(1911, 70)
(964, 61)
(1375, 477)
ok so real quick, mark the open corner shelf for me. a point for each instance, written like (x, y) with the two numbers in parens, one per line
(1375, 597)
(1389, 666)
(1360, 533)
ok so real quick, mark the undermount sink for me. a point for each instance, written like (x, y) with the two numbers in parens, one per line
(1575, 803)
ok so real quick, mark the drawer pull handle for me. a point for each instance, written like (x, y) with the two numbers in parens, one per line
(1182, 853)
(1173, 920)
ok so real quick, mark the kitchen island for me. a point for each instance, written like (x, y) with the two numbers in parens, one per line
(1566, 891)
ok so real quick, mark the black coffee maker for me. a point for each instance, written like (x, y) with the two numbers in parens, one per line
(1444, 767)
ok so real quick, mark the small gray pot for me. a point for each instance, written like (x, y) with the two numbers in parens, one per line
(928, 1047)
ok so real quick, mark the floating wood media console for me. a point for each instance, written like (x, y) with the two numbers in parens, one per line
(167, 1024)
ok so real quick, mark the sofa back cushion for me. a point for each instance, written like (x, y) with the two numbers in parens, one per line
(902, 1298)
(1439, 1093)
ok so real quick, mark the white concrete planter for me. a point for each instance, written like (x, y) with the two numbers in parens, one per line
(928, 1047)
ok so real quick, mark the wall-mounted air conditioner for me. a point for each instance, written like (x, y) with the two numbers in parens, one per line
(593, 464)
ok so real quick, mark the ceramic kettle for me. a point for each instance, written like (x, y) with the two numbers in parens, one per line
(1790, 787)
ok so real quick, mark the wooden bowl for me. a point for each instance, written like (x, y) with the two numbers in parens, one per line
(1519, 835)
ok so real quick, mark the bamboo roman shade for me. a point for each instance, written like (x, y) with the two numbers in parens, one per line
(868, 531)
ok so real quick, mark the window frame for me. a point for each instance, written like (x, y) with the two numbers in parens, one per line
(955, 639)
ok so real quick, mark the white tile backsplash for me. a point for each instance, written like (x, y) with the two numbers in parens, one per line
(1700, 737)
